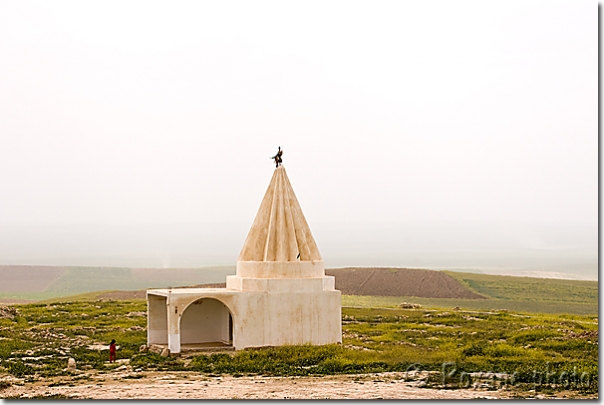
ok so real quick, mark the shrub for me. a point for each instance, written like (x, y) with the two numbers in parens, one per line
(475, 349)
(18, 368)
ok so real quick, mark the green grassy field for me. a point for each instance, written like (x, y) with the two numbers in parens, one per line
(36, 343)
(529, 289)
(546, 307)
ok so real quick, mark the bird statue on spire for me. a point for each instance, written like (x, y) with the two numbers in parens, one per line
(277, 157)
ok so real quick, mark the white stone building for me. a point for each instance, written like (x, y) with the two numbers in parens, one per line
(280, 294)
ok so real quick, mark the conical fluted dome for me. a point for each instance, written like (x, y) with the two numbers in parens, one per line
(280, 231)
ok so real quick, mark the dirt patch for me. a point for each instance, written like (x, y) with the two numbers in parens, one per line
(186, 385)
(399, 282)
(209, 285)
(123, 295)
(10, 301)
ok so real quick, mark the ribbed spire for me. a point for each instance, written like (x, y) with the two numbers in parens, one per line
(280, 231)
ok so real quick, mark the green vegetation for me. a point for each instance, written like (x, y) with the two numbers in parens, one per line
(40, 339)
(82, 279)
(89, 296)
(534, 294)
(529, 288)
(546, 307)
(561, 348)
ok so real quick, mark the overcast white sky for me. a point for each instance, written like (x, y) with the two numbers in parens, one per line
(144, 112)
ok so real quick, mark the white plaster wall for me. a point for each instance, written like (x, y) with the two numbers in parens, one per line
(249, 320)
(286, 311)
(260, 318)
(278, 285)
(313, 317)
(157, 320)
(293, 269)
(233, 283)
(329, 283)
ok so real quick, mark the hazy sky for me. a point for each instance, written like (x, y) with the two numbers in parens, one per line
(437, 134)
(143, 112)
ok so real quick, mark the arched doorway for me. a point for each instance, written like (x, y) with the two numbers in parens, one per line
(206, 322)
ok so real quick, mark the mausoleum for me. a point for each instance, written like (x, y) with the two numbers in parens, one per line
(280, 294)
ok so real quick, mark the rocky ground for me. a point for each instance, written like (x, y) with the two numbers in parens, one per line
(60, 350)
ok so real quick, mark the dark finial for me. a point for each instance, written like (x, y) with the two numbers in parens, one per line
(277, 157)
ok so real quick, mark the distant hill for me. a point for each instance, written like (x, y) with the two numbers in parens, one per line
(399, 282)
(44, 282)
(359, 285)
(49, 282)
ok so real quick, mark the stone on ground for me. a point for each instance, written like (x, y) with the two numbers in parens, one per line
(156, 349)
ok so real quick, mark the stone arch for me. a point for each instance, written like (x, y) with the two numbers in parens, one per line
(206, 321)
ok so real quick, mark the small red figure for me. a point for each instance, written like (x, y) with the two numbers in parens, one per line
(112, 351)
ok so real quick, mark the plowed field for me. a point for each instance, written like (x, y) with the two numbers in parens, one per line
(399, 282)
